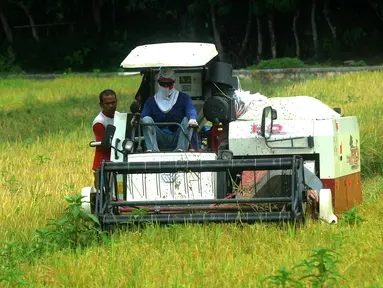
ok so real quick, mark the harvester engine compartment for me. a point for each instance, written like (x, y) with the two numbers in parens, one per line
(220, 106)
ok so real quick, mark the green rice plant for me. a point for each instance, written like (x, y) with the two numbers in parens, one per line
(9, 271)
(351, 217)
(284, 278)
(13, 185)
(42, 159)
(321, 268)
(75, 229)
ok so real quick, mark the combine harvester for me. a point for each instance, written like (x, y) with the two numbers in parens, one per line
(255, 162)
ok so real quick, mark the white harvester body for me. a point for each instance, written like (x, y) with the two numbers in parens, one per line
(335, 141)
(302, 126)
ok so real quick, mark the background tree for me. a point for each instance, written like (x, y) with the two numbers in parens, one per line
(4, 21)
(26, 8)
(314, 28)
(297, 13)
(58, 35)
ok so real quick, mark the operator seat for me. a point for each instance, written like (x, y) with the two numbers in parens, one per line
(144, 92)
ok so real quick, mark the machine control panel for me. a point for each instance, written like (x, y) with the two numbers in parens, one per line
(189, 82)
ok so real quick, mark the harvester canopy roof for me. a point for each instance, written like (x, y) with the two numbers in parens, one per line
(177, 54)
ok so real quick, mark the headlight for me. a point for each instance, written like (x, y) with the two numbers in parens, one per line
(226, 155)
(128, 145)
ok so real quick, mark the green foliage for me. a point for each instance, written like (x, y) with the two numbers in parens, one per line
(284, 278)
(8, 62)
(75, 229)
(13, 185)
(351, 217)
(140, 212)
(353, 37)
(320, 269)
(137, 5)
(9, 271)
(351, 99)
(280, 5)
(77, 58)
(359, 63)
(41, 159)
(280, 63)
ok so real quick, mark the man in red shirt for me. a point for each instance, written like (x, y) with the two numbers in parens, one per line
(108, 104)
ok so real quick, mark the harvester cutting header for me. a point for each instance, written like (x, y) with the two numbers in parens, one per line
(248, 158)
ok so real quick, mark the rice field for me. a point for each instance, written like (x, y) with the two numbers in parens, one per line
(44, 156)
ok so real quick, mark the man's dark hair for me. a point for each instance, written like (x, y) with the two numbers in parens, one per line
(106, 92)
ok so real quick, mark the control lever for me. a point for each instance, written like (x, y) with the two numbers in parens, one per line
(136, 120)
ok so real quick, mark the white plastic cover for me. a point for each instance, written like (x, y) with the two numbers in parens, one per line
(171, 186)
(326, 212)
(177, 54)
(85, 202)
(250, 107)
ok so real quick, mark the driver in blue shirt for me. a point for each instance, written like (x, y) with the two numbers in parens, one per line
(168, 105)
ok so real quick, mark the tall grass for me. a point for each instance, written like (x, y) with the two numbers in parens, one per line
(41, 161)
(30, 109)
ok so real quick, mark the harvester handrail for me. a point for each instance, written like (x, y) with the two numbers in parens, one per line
(163, 124)
(203, 201)
(249, 217)
(166, 124)
(198, 165)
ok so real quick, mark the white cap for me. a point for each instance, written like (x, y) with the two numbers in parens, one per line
(167, 75)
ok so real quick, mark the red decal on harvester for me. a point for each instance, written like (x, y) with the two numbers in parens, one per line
(276, 130)
(353, 158)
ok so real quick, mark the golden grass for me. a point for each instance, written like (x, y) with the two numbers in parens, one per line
(216, 255)
(19, 93)
(36, 174)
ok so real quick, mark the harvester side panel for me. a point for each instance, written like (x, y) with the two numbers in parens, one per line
(120, 122)
(244, 138)
(340, 160)
(336, 142)
(346, 191)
